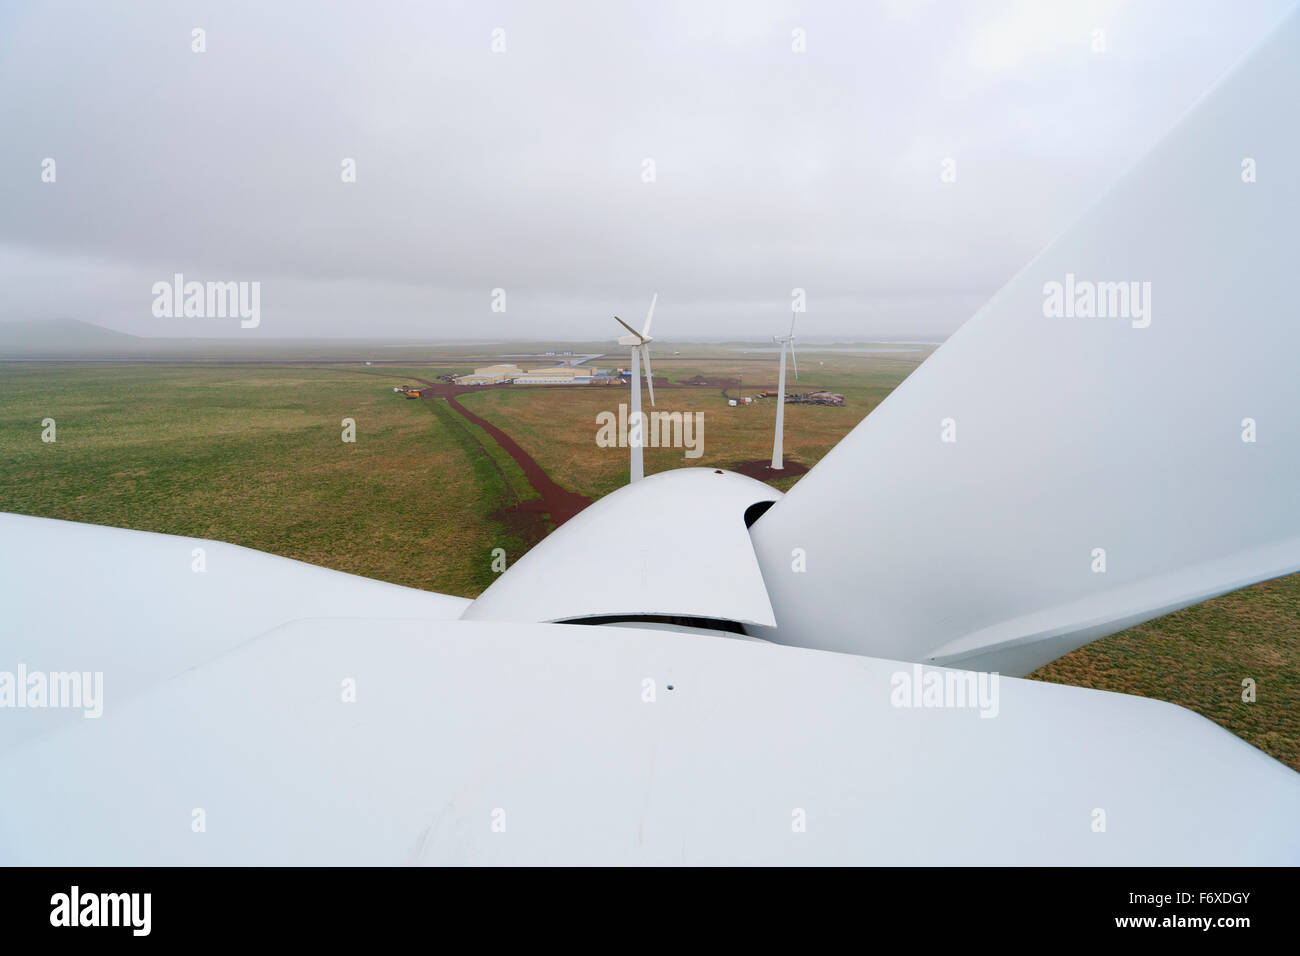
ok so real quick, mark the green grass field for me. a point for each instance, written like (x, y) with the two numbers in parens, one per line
(253, 455)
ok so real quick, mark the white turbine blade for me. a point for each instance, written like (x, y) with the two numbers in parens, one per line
(793, 316)
(795, 359)
(650, 315)
(649, 379)
(1046, 479)
(94, 621)
(452, 715)
(628, 327)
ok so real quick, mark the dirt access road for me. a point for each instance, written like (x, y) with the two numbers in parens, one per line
(560, 503)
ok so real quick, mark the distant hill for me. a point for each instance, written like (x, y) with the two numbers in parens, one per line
(60, 337)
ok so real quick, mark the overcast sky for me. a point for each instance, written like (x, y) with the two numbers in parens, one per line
(525, 169)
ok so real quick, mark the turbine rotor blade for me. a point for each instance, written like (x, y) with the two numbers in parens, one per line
(629, 328)
(1019, 537)
(795, 359)
(650, 315)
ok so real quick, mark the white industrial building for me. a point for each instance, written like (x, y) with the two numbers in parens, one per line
(559, 375)
(491, 375)
(555, 375)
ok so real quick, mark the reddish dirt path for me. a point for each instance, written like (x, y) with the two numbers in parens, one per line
(560, 503)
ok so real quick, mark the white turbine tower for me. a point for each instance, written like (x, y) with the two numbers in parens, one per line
(636, 426)
(784, 340)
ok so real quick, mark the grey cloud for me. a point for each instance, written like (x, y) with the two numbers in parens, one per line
(523, 170)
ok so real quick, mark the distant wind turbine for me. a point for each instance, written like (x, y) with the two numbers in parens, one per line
(784, 340)
(638, 342)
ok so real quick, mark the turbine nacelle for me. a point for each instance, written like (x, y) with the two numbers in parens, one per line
(638, 338)
(634, 340)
